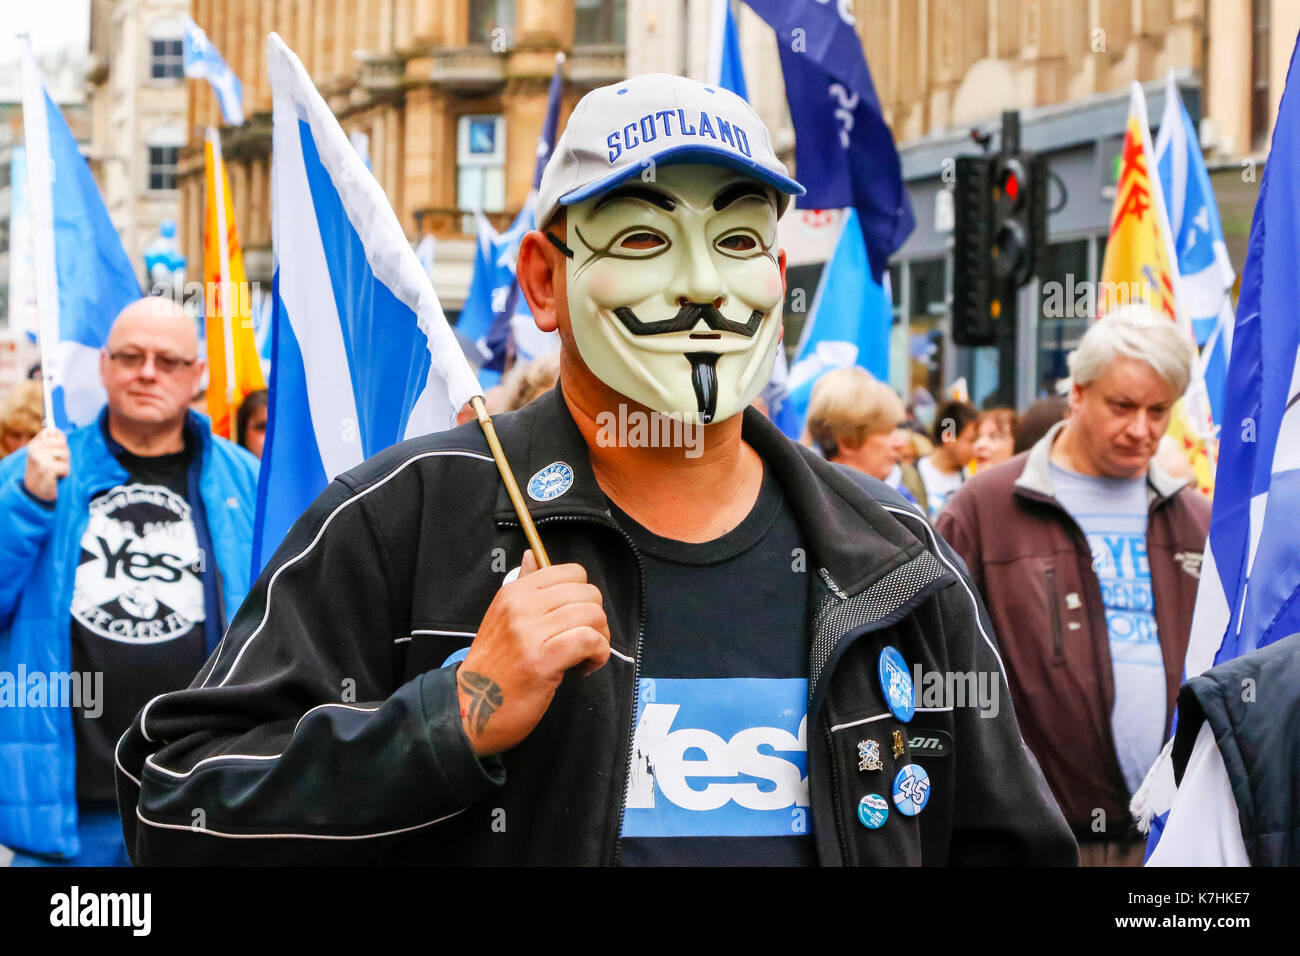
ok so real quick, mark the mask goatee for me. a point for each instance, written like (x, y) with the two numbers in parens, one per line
(704, 377)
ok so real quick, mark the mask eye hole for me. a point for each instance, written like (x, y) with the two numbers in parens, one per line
(641, 241)
(638, 242)
(741, 243)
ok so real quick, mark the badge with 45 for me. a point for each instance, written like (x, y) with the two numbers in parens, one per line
(911, 790)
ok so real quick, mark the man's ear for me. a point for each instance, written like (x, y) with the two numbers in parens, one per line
(103, 366)
(536, 268)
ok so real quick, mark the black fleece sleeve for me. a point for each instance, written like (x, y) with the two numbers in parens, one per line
(293, 744)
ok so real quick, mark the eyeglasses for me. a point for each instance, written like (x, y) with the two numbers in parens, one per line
(164, 363)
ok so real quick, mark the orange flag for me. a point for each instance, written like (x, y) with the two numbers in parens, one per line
(227, 302)
(1140, 266)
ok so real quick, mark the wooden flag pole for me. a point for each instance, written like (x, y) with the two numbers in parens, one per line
(512, 487)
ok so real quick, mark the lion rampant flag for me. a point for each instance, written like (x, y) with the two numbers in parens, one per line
(227, 302)
(1140, 266)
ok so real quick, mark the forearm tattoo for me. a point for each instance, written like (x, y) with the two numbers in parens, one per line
(485, 697)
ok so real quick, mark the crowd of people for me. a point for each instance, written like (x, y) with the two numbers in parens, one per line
(126, 553)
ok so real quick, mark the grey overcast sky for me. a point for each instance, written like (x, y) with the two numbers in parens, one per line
(54, 25)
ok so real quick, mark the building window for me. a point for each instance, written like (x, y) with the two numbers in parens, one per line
(481, 164)
(600, 23)
(162, 166)
(492, 22)
(165, 61)
(1259, 99)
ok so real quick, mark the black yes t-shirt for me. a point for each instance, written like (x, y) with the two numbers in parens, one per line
(719, 765)
(138, 605)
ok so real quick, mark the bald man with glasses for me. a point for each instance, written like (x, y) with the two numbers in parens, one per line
(124, 551)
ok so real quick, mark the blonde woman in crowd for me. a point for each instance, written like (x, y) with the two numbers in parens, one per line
(854, 419)
(21, 411)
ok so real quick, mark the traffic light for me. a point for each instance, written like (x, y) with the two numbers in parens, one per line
(1020, 211)
(1000, 214)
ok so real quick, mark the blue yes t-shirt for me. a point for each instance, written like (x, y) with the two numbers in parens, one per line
(1113, 515)
(719, 771)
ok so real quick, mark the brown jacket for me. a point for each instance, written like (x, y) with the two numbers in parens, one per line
(1034, 566)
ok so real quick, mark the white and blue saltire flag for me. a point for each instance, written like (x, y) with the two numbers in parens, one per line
(363, 356)
(201, 61)
(83, 275)
(848, 322)
(1205, 275)
(490, 285)
(1249, 595)
(512, 322)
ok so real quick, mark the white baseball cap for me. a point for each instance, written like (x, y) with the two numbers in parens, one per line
(617, 132)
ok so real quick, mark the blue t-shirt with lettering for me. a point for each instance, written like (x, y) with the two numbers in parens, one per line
(1113, 515)
(719, 771)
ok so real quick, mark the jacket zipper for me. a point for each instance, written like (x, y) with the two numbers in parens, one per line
(835, 791)
(636, 662)
(1053, 601)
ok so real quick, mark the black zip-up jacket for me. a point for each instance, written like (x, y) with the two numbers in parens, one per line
(325, 728)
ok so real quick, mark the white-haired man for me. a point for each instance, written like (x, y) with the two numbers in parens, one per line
(1088, 555)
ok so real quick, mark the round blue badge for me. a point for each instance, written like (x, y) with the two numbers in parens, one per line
(896, 684)
(551, 482)
(873, 811)
(911, 790)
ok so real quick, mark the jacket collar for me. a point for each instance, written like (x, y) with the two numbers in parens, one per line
(1037, 476)
(855, 540)
(96, 464)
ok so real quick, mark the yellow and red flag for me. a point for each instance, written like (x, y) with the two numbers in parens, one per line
(1140, 266)
(227, 300)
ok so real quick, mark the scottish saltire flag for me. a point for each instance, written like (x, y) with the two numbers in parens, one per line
(512, 321)
(83, 275)
(490, 285)
(362, 354)
(1205, 275)
(843, 150)
(201, 61)
(725, 66)
(1249, 595)
(848, 322)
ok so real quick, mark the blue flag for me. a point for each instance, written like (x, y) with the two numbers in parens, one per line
(725, 66)
(83, 275)
(843, 150)
(1249, 593)
(201, 60)
(512, 320)
(362, 356)
(1205, 275)
(848, 323)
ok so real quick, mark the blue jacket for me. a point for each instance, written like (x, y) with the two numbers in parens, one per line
(39, 551)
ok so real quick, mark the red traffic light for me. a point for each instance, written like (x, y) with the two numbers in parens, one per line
(1011, 185)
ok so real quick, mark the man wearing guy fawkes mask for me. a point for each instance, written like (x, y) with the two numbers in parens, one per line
(719, 665)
